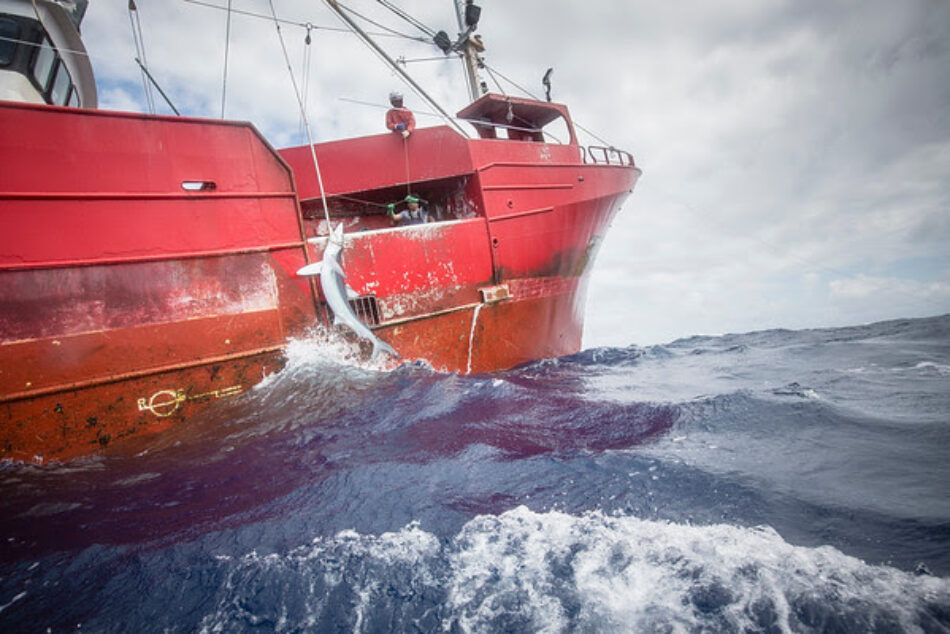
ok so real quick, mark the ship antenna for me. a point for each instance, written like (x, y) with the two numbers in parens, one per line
(468, 22)
(306, 122)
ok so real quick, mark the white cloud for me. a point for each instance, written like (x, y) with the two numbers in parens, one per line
(865, 287)
(117, 98)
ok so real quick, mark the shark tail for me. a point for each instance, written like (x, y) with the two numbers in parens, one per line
(379, 344)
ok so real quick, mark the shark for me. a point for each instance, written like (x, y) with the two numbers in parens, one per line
(338, 294)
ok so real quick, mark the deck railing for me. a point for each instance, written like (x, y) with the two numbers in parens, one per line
(601, 155)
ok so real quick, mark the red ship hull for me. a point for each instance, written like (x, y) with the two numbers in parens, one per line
(148, 264)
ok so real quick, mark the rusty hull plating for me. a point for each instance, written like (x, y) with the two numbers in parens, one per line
(147, 263)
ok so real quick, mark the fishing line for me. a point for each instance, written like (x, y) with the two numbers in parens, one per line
(405, 147)
(303, 114)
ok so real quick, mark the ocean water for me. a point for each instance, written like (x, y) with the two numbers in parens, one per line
(768, 482)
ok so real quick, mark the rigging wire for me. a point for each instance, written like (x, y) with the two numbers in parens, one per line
(522, 89)
(303, 114)
(404, 61)
(380, 106)
(388, 61)
(474, 122)
(157, 87)
(368, 203)
(61, 49)
(227, 48)
(408, 18)
(579, 126)
(305, 70)
(495, 79)
(262, 16)
(384, 27)
(136, 24)
(492, 72)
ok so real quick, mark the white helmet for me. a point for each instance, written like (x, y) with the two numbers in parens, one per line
(395, 96)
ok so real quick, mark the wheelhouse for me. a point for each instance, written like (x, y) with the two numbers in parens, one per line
(519, 119)
(42, 58)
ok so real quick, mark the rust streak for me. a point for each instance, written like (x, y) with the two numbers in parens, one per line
(151, 258)
(521, 214)
(67, 387)
(488, 188)
(437, 313)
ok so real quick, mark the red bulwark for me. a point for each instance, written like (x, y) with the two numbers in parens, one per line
(146, 269)
(377, 161)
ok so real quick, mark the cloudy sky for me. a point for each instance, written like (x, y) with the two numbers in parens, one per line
(795, 153)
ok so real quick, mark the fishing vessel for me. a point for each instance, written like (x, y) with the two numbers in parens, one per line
(149, 263)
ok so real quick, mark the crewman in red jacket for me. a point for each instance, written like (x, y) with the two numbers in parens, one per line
(398, 118)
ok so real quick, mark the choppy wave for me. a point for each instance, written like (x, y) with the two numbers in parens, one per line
(772, 481)
(528, 571)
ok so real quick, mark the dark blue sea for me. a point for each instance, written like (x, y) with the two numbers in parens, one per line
(778, 481)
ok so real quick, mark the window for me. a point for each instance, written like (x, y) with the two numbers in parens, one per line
(59, 93)
(73, 98)
(9, 32)
(43, 64)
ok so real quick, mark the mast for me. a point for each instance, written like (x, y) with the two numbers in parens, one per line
(468, 14)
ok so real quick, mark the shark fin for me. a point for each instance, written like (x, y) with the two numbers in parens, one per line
(310, 269)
